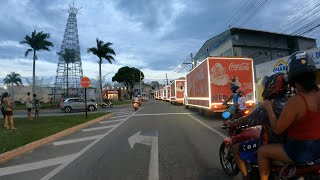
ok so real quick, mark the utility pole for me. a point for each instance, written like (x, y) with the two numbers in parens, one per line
(140, 83)
(192, 62)
(167, 79)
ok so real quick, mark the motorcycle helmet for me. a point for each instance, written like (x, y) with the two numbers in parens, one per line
(298, 63)
(274, 85)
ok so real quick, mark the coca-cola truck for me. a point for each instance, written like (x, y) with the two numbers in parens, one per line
(208, 84)
(161, 94)
(156, 94)
(177, 91)
(166, 94)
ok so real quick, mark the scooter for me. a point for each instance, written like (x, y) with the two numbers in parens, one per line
(136, 106)
(248, 153)
(107, 104)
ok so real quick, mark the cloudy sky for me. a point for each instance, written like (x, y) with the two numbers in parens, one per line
(156, 35)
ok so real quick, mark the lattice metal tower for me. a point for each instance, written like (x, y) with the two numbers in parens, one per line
(70, 41)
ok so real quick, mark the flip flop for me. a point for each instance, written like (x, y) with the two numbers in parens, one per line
(13, 128)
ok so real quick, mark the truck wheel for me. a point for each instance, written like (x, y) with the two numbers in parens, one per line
(67, 109)
(187, 107)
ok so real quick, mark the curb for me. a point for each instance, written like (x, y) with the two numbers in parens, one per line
(4, 157)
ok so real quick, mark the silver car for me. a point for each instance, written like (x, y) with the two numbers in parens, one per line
(71, 104)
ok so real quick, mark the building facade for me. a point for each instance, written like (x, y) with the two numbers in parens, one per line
(261, 46)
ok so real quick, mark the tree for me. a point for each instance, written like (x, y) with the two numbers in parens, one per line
(129, 76)
(102, 51)
(37, 42)
(155, 84)
(69, 56)
(12, 79)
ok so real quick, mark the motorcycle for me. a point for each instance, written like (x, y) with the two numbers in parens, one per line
(248, 153)
(136, 106)
(107, 103)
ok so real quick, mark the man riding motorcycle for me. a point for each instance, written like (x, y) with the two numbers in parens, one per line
(275, 87)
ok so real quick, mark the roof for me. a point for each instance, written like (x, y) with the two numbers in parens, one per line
(267, 32)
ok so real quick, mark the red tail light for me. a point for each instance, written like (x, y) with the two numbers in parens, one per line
(246, 112)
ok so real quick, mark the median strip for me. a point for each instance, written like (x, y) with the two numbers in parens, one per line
(32, 134)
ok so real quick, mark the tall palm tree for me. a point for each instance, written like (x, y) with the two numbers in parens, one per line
(38, 41)
(13, 78)
(69, 56)
(102, 51)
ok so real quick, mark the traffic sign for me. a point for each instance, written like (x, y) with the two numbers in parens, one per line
(85, 82)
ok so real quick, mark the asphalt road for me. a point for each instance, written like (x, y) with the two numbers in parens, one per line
(160, 141)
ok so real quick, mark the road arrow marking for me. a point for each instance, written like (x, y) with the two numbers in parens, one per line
(154, 158)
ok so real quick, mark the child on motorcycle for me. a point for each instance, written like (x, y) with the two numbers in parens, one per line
(275, 87)
(300, 118)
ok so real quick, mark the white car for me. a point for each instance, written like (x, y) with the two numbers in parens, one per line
(71, 104)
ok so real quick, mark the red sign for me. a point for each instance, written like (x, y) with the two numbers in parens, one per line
(180, 88)
(224, 72)
(85, 82)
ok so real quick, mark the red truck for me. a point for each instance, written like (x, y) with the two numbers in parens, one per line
(166, 94)
(208, 84)
(177, 91)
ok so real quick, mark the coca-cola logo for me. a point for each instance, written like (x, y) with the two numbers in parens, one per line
(239, 67)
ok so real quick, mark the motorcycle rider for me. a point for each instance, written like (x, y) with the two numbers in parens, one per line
(135, 99)
(240, 107)
(234, 97)
(275, 87)
(300, 118)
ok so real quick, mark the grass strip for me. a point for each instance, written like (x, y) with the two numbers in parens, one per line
(33, 130)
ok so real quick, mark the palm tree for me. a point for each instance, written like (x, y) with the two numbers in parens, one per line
(69, 56)
(103, 51)
(13, 78)
(38, 42)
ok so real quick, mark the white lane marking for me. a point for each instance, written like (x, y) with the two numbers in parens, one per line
(154, 157)
(98, 128)
(35, 165)
(207, 126)
(76, 140)
(113, 117)
(66, 163)
(161, 114)
(102, 122)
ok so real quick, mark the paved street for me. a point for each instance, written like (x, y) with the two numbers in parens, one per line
(160, 141)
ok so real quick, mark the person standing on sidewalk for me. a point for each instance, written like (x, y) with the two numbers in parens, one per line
(29, 105)
(36, 102)
(8, 111)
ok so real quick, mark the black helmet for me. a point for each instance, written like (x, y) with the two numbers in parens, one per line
(234, 88)
(275, 85)
(298, 63)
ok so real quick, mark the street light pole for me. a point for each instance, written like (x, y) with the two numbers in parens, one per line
(140, 82)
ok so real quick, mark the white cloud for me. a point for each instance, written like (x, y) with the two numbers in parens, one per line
(10, 44)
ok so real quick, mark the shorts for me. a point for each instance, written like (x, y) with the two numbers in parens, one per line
(302, 151)
(7, 113)
(29, 109)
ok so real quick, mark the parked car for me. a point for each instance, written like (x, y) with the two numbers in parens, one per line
(71, 104)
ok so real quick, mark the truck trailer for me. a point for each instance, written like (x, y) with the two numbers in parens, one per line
(177, 91)
(166, 96)
(208, 84)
